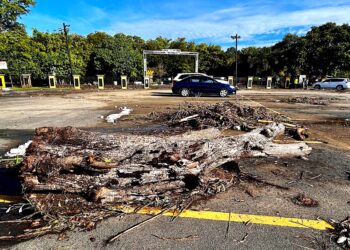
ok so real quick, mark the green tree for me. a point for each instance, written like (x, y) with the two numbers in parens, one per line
(10, 10)
(117, 56)
(17, 48)
(255, 60)
(328, 49)
(50, 53)
(289, 55)
(212, 59)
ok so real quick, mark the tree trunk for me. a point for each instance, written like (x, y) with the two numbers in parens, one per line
(67, 170)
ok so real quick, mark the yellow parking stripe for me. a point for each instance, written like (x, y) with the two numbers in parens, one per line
(215, 216)
(10, 199)
(244, 218)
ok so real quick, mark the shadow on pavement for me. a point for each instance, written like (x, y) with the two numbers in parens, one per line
(163, 94)
(194, 95)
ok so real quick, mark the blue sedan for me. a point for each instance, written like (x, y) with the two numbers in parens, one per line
(203, 85)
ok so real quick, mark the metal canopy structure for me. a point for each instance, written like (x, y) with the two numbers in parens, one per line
(173, 52)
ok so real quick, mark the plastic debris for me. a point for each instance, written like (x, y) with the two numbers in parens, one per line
(19, 151)
(114, 117)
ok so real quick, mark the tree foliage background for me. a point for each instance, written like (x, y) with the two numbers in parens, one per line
(323, 51)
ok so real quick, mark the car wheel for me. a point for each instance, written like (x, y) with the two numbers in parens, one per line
(317, 87)
(185, 92)
(339, 87)
(223, 93)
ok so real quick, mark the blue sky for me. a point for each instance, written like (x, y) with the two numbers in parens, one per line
(258, 22)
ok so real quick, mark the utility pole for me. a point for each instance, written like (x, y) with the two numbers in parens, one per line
(236, 37)
(65, 32)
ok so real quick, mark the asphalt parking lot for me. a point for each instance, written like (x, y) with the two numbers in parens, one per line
(324, 172)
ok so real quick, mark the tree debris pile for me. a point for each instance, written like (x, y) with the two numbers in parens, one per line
(341, 233)
(308, 100)
(71, 172)
(221, 115)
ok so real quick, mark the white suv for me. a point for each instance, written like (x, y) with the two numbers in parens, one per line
(181, 76)
(333, 83)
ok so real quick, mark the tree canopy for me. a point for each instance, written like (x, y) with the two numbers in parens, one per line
(10, 10)
(324, 50)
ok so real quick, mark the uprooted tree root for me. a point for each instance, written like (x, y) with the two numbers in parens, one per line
(76, 178)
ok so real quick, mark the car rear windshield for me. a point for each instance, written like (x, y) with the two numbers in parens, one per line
(183, 76)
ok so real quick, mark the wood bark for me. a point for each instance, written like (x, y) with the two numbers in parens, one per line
(67, 170)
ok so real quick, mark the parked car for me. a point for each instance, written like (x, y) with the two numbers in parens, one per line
(181, 76)
(333, 83)
(202, 84)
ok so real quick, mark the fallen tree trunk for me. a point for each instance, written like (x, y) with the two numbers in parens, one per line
(69, 171)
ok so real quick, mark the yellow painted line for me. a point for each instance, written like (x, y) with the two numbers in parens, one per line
(10, 199)
(308, 142)
(215, 216)
(232, 217)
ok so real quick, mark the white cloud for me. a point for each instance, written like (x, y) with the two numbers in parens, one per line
(258, 22)
(247, 21)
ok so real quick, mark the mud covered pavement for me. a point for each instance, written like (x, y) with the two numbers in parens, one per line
(267, 185)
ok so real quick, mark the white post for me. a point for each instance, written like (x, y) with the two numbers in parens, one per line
(197, 63)
(250, 82)
(269, 82)
(52, 81)
(146, 83)
(124, 82)
(231, 80)
(100, 81)
(287, 82)
(144, 66)
(76, 81)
